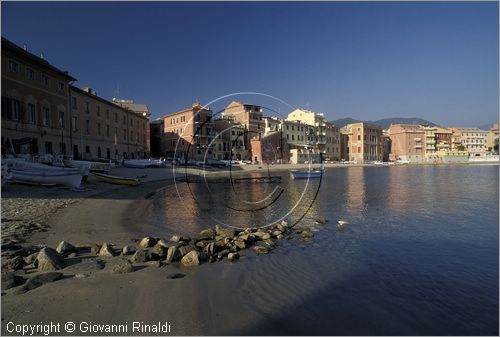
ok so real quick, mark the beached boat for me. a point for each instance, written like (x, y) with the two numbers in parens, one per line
(45, 176)
(143, 163)
(117, 180)
(307, 174)
(93, 166)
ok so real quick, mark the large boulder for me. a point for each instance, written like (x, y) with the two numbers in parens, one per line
(10, 280)
(14, 264)
(87, 265)
(206, 234)
(65, 248)
(283, 226)
(141, 255)
(147, 242)
(123, 267)
(158, 252)
(260, 249)
(172, 255)
(262, 235)
(107, 250)
(191, 259)
(233, 256)
(128, 250)
(48, 259)
(184, 250)
(224, 232)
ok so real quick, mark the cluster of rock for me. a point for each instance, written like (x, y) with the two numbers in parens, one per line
(211, 245)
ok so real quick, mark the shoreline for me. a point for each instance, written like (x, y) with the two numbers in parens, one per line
(194, 305)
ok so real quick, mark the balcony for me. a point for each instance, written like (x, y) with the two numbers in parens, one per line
(417, 139)
(417, 146)
(430, 141)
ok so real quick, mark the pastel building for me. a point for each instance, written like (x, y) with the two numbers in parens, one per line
(322, 135)
(188, 133)
(362, 142)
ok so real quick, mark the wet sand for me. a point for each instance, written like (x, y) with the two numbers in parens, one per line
(220, 298)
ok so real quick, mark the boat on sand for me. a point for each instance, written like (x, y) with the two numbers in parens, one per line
(117, 180)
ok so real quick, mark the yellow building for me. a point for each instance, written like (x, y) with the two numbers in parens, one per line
(324, 136)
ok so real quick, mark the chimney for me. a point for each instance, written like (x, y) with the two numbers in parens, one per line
(25, 47)
(41, 55)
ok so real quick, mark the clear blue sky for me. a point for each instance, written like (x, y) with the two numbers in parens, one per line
(437, 61)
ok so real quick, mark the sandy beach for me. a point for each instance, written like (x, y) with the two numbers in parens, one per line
(195, 303)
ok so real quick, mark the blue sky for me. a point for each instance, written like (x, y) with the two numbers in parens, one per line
(434, 60)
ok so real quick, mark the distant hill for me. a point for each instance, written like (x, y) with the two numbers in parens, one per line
(385, 122)
(486, 126)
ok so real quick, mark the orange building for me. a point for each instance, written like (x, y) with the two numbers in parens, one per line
(407, 142)
(188, 133)
(270, 149)
(362, 142)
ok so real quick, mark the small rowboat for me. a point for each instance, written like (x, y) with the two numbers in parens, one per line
(46, 177)
(296, 174)
(116, 179)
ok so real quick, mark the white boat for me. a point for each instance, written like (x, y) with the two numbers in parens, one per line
(308, 174)
(143, 163)
(45, 176)
(84, 166)
(484, 159)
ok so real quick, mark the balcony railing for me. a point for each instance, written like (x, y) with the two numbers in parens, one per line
(418, 139)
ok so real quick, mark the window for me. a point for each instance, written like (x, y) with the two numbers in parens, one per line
(107, 130)
(131, 136)
(131, 122)
(124, 120)
(98, 111)
(48, 147)
(107, 114)
(46, 116)
(87, 127)
(30, 74)
(87, 107)
(74, 122)
(13, 66)
(87, 149)
(124, 134)
(99, 152)
(116, 117)
(60, 86)
(45, 79)
(62, 121)
(116, 133)
(13, 109)
(359, 137)
(98, 129)
(73, 102)
(293, 136)
(31, 113)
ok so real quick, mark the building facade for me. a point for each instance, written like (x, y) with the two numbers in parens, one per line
(407, 142)
(35, 103)
(362, 142)
(492, 139)
(101, 129)
(42, 113)
(156, 138)
(474, 141)
(189, 133)
(323, 136)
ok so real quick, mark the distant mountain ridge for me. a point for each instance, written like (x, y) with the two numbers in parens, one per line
(385, 122)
